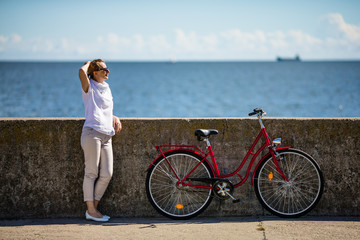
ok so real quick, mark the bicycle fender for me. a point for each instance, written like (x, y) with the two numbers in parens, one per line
(181, 149)
(266, 156)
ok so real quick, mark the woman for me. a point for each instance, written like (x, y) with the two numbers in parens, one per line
(99, 127)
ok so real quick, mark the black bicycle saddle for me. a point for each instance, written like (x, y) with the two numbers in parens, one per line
(205, 133)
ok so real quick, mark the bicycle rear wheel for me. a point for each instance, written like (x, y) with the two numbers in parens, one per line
(171, 200)
(296, 197)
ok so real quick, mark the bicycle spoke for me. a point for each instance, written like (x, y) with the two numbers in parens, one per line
(171, 198)
(293, 197)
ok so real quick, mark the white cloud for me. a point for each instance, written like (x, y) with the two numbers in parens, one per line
(243, 41)
(351, 32)
(191, 42)
(277, 40)
(100, 39)
(244, 37)
(187, 42)
(158, 44)
(3, 39)
(16, 38)
(113, 38)
(268, 44)
(64, 43)
(301, 38)
(211, 41)
(139, 42)
(181, 44)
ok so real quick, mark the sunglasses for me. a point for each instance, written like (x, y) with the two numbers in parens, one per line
(104, 69)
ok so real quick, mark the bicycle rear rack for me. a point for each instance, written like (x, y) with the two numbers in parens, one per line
(159, 147)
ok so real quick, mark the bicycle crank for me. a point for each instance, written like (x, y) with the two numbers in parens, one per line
(223, 189)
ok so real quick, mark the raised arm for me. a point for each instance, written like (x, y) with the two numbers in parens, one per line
(84, 79)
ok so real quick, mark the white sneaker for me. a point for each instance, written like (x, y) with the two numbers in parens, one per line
(88, 217)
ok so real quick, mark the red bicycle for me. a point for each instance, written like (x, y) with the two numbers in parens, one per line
(181, 182)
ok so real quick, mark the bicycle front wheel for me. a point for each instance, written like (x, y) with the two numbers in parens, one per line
(296, 197)
(172, 200)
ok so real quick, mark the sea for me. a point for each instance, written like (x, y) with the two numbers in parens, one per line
(187, 89)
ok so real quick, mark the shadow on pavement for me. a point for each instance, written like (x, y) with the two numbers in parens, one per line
(151, 222)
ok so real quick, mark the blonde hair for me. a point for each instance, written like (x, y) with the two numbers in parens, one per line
(94, 66)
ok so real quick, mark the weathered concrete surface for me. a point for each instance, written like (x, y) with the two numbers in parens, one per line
(305, 228)
(41, 163)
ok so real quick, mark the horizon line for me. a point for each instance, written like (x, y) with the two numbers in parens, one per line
(179, 61)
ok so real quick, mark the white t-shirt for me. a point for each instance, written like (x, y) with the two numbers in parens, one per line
(98, 103)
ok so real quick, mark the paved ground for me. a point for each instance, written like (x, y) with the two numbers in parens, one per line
(199, 228)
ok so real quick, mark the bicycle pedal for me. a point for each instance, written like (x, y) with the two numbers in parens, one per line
(237, 200)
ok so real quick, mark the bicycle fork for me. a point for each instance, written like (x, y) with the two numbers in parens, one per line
(275, 155)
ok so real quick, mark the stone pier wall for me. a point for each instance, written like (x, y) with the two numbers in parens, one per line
(42, 167)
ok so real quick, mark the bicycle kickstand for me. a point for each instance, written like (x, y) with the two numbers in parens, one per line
(233, 198)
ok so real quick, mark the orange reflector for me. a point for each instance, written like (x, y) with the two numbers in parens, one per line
(179, 206)
(271, 176)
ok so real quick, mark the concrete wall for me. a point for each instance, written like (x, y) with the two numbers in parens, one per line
(41, 163)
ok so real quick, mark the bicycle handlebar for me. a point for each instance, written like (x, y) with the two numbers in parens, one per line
(257, 111)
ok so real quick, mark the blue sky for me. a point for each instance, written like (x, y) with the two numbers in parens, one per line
(181, 30)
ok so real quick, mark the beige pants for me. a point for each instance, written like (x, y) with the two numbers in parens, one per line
(98, 154)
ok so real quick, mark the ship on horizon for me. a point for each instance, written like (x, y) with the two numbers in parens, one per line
(295, 59)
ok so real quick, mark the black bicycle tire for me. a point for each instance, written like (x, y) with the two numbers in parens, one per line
(314, 201)
(149, 190)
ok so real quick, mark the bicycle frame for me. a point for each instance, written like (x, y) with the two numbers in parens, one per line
(183, 180)
(214, 166)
